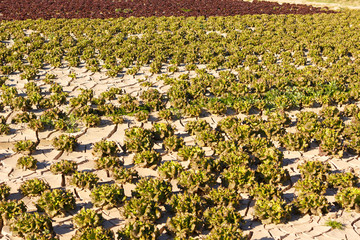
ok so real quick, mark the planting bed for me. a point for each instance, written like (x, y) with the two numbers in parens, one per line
(231, 127)
(34, 9)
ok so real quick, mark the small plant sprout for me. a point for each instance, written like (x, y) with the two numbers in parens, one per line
(334, 224)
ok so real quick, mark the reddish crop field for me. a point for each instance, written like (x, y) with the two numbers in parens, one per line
(46, 9)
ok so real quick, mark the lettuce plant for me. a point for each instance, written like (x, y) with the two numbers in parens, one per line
(349, 198)
(25, 146)
(138, 139)
(295, 141)
(239, 178)
(187, 203)
(192, 127)
(125, 175)
(170, 170)
(91, 120)
(63, 167)
(192, 181)
(4, 129)
(96, 233)
(11, 210)
(223, 197)
(108, 162)
(4, 191)
(311, 185)
(107, 196)
(173, 143)
(183, 225)
(311, 204)
(342, 180)
(314, 169)
(272, 211)
(162, 130)
(219, 215)
(142, 116)
(105, 148)
(270, 173)
(65, 143)
(139, 230)
(87, 219)
(142, 209)
(56, 202)
(147, 158)
(84, 179)
(27, 162)
(226, 231)
(33, 187)
(29, 224)
(153, 189)
(188, 152)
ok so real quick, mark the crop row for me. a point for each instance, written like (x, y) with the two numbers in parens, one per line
(215, 66)
(31, 9)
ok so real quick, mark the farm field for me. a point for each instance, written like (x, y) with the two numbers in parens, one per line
(180, 127)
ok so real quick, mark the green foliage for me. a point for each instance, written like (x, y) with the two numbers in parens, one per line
(311, 204)
(4, 129)
(124, 175)
(349, 198)
(296, 141)
(108, 162)
(192, 127)
(142, 116)
(91, 120)
(64, 167)
(107, 196)
(4, 191)
(56, 202)
(208, 138)
(162, 130)
(342, 180)
(30, 224)
(173, 143)
(153, 189)
(311, 185)
(139, 230)
(239, 178)
(266, 191)
(270, 173)
(314, 169)
(65, 143)
(307, 123)
(105, 148)
(87, 219)
(188, 152)
(187, 203)
(97, 233)
(223, 197)
(192, 181)
(170, 170)
(11, 210)
(138, 139)
(84, 179)
(226, 231)
(27, 162)
(25, 146)
(272, 211)
(33, 187)
(221, 215)
(142, 209)
(334, 224)
(147, 158)
(183, 225)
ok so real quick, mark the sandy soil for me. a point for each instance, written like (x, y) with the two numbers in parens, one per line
(306, 227)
